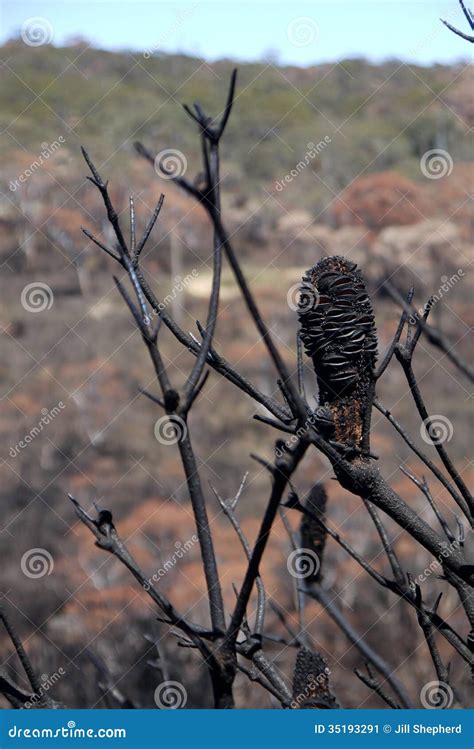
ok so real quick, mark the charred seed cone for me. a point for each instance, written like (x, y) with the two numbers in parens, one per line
(338, 333)
(311, 682)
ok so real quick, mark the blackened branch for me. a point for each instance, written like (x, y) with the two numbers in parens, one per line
(429, 463)
(373, 683)
(469, 17)
(433, 335)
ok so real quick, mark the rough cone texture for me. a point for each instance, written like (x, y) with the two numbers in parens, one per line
(338, 333)
(311, 682)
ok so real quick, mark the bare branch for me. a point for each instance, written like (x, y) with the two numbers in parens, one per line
(370, 681)
(423, 485)
(434, 336)
(469, 17)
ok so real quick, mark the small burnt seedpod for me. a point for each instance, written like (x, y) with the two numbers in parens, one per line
(311, 688)
(338, 333)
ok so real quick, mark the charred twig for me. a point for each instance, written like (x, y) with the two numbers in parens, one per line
(33, 678)
(423, 486)
(401, 591)
(108, 685)
(177, 408)
(434, 336)
(429, 463)
(396, 338)
(254, 675)
(275, 424)
(470, 19)
(18, 697)
(371, 682)
(389, 551)
(295, 504)
(326, 599)
(284, 467)
(300, 598)
(107, 538)
(427, 627)
(207, 642)
(404, 355)
(228, 507)
(206, 197)
(311, 586)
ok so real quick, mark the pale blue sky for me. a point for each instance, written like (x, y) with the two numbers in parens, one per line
(378, 30)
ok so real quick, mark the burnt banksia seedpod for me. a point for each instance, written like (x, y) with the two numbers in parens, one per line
(311, 682)
(312, 535)
(338, 333)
